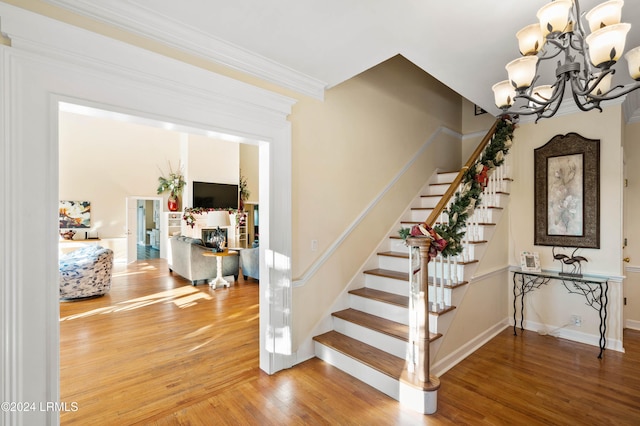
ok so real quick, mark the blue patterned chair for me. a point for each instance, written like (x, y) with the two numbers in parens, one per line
(85, 272)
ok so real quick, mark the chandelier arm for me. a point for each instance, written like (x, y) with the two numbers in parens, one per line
(557, 44)
(588, 105)
(625, 90)
(588, 88)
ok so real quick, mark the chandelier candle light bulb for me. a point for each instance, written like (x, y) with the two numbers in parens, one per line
(554, 17)
(504, 94)
(607, 13)
(607, 44)
(522, 71)
(633, 59)
(530, 39)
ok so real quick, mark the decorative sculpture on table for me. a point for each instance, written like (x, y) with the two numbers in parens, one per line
(573, 261)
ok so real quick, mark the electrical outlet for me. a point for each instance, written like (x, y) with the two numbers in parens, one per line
(314, 245)
(576, 320)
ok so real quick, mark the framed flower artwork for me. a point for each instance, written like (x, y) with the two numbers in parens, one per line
(567, 192)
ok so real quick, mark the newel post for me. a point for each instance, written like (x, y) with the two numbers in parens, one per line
(418, 388)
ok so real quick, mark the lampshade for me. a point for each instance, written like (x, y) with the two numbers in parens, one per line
(504, 94)
(633, 59)
(522, 71)
(218, 218)
(530, 39)
(554, 16)
(602, 87)
(542, 93)
(604, 14)
(607, 44)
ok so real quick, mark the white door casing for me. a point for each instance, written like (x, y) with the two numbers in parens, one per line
(51, 62)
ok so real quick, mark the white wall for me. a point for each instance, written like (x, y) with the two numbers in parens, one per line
(552, 305)
(103, 160)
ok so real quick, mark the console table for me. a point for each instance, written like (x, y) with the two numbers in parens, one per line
(593, 289)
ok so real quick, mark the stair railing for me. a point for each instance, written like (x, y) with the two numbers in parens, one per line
(445, 270)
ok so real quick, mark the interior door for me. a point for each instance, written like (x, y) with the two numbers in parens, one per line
(132, 229)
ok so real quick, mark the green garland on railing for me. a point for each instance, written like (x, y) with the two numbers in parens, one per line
(448, 236)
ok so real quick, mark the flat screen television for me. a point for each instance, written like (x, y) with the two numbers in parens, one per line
(215, 195)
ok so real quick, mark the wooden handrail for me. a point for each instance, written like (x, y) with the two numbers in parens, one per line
(431, 220)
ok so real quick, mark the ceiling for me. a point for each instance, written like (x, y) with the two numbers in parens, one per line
(465, 44)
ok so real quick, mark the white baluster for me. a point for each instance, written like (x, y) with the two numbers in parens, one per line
(441, 300)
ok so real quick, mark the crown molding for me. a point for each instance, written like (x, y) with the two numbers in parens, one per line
(569, 108)
(631, 107)
(152, 25)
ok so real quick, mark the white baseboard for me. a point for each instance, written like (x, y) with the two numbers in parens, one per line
(574, 335)
(634, 325)
(442, 366)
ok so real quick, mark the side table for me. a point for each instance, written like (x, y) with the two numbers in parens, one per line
(219, 280)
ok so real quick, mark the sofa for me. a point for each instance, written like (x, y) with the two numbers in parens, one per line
(250, 263)
(85, 272)
(188, 261)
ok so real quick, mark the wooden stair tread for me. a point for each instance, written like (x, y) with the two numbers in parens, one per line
(379, 324)
(402, 255)
(373, 357)
(381, 296)
(404, 276)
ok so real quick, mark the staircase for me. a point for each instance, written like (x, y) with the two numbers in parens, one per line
(371, 339)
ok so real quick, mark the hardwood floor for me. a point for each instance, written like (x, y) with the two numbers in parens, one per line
(159, 351)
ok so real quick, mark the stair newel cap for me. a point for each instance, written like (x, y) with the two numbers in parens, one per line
(423, 242)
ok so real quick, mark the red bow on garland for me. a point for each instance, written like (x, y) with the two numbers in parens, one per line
(483, 178)
(437, 242)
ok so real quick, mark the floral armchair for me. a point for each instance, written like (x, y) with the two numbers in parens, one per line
(85, 272)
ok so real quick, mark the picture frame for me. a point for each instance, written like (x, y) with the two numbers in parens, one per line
(478, 110)
(529, 261)
(567, 192)
(74, 214)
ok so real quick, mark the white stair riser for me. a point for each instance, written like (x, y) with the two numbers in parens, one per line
(499, 200)
(428, 202)
(393, 263)
(437, 189)
(419, 215)
(364, 373)
(445, 177)
(480, 215)
(371, 337)
(380, 309)
(387, 311)
(474, 232)
(387, 284)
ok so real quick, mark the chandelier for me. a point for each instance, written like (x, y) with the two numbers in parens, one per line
(586, 66)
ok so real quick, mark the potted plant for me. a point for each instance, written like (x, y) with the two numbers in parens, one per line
(244, 191)
(174, 183)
